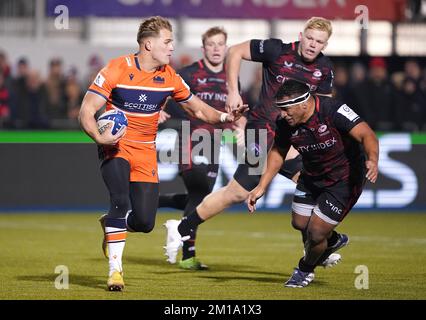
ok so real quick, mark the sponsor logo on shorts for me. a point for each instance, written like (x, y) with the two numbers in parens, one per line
(333, 207)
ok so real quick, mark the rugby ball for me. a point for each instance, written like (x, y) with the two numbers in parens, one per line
(116, 118)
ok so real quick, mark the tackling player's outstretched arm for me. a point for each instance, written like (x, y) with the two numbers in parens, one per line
(201, 110)
(235, 54)
(90, 105)
(366, 136)
(274, 163)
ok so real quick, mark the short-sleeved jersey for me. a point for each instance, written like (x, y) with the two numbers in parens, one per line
(281, 61)
(139, 94)
(210, 87)
(328, 153)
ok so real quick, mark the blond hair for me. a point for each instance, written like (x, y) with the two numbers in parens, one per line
(319, 23)
(151, 27)
(212, 32)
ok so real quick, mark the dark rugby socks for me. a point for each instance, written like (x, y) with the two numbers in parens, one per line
(189, 223)
(304, 267)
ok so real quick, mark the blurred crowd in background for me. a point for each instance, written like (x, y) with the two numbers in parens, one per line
(28, 101)
(390, 96)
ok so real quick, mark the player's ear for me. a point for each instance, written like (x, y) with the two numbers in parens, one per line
(148, 45)
(300, 36)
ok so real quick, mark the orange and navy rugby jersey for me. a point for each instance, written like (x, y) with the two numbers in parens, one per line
(139, 94)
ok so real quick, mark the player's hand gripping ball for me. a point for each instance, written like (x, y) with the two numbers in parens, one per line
(115, 118)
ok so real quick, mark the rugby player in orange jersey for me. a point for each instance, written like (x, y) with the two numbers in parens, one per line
(137, 84)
